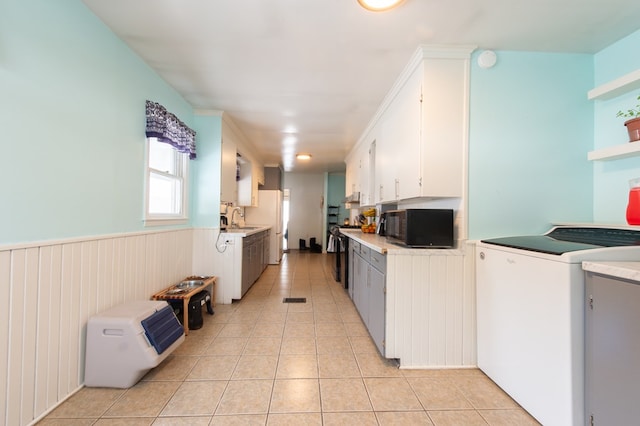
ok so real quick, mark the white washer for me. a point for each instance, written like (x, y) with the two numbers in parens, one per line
(530, 314)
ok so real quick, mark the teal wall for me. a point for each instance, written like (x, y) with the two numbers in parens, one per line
(335, 194)
(530, 131)
(205, 176)
(611, 177)
(72, 118)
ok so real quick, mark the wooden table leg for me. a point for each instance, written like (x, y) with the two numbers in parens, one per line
(213, 294)
(185, 315)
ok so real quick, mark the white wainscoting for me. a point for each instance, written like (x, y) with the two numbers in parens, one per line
(207, 261)
(49, 290)
(431, 309)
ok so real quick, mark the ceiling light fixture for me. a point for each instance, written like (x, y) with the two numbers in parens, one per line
(379, 5)
(303, 156)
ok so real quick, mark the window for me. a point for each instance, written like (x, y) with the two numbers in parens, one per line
(166, 184)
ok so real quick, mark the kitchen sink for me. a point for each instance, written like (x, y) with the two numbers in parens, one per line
(245, 229)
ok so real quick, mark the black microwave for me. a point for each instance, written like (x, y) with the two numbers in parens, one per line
(432, 228)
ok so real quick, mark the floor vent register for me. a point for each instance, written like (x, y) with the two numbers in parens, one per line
(294, 300)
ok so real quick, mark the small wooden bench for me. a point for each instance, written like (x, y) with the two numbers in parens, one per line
(171, 293)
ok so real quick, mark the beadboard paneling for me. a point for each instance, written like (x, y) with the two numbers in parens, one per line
(49, 291)
(430, 310)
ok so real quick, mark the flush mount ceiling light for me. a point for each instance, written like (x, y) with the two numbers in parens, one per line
(303, 156)
(379, 5)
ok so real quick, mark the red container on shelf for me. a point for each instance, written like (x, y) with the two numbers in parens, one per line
(633, 208)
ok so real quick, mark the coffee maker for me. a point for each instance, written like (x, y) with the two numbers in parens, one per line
(223, 222)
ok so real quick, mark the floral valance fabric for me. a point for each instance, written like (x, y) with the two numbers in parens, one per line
(167, 128)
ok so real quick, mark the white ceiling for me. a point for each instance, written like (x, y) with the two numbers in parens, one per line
(308, 75)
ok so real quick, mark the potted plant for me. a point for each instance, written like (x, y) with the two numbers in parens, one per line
(633, 124)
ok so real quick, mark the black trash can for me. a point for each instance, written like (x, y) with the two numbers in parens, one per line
(195, 309)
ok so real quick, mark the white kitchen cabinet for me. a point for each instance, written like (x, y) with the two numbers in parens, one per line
(239, 186)
(362, 167)
(398, 156)
(228, 188)
(423, 128)
(247, 184)
(260, 177)
(364, 174)
(444, 126)
(351, 178)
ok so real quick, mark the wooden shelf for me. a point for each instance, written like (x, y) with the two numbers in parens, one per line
(616, 87)
(630, 149)
(610, 90)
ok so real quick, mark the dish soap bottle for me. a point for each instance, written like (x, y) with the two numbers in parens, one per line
(633, 208)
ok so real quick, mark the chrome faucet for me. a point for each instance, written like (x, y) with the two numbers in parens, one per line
(234, 224)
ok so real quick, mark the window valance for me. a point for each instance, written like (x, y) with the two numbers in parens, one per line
(167, 128)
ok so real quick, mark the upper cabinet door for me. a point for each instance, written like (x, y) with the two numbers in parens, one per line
(228, 172)
(444, 127)
(247, 185)
(405, 138)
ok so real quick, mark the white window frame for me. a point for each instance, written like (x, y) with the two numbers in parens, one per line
(182, 173)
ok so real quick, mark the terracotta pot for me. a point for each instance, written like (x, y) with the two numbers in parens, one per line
(633, 128)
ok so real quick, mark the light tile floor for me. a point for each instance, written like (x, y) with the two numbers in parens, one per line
(263, 362)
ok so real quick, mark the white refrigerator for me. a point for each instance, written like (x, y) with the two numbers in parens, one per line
(269, 213)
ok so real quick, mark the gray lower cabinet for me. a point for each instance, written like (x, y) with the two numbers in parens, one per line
(377, 309)
(360, 286)
(369, 291)
(354, 247)
(266, 253)
(612, 340)
(246, 264)
(255, 257)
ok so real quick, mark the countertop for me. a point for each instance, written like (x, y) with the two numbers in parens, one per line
(624, 270)
(245, 231)
(379, 244)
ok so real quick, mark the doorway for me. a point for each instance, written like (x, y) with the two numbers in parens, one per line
(285, 219)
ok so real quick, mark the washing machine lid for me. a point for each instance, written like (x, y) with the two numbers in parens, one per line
(562, 240)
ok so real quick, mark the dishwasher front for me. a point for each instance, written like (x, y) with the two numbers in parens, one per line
(612, 339)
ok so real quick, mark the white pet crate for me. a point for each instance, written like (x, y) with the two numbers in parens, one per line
(126, 341)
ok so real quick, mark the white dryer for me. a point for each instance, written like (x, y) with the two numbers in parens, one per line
(530, 314)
